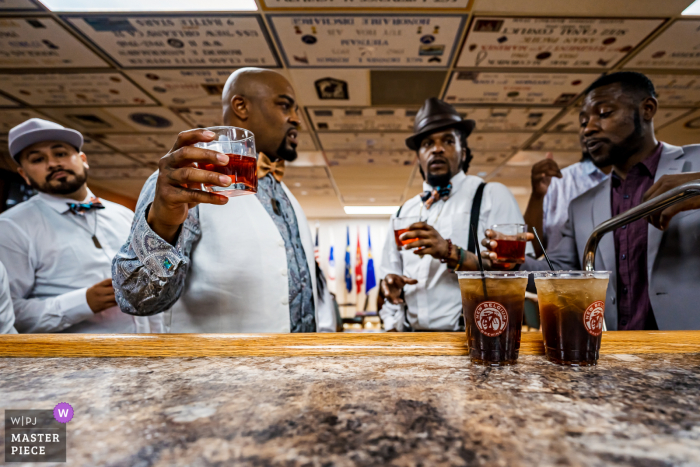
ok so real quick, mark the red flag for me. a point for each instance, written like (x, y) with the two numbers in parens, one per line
(358, 264)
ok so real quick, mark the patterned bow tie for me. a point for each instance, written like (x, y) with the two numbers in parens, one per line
(266, 166)
(81, 208)
(438, 193)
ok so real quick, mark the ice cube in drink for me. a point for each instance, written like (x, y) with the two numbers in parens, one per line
(493, 320)
(243, 173)
(572, 311)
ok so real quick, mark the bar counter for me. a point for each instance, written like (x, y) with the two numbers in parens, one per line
(358, 399)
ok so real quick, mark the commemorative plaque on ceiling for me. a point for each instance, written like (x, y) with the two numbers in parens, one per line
(676, 90)
(497, 141)
(569, 122)
(5, 102)
(12, 117)
(473, 87)
(369, 4)
(119, 119)
(497, 42)
(314, 41)
(675, 48)
(326, 87)
(167, 41)
(362, 119)
(509, 118)
(74, 89)
(39, 42)
(194, 87)
(363, 141)
(17, 5)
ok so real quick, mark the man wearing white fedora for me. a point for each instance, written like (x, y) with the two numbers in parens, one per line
(58, 246)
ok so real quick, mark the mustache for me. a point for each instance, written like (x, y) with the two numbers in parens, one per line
(50, 174)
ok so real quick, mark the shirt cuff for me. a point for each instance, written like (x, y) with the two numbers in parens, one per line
(158, 256)
(74, 306)
(392, 316)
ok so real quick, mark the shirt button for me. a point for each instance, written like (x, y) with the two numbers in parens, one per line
(283, 272)
(285, 301)
(626, 196)
(624, 256)
(281, 243)
(624, 289)
(624, 227)
(623, 322)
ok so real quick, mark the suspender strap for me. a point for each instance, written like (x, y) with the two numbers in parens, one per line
(474, 217)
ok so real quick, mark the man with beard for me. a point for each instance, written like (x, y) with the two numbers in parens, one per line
(214, 264)
(421, 275)
(552, 192)
(59, 245)
(655, 272)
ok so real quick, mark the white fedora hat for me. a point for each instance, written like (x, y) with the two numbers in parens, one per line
(36, 130)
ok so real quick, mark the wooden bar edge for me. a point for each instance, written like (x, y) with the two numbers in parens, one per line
(290, 345)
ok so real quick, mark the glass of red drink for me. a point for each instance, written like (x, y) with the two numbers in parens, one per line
(400, 226)
(511, 239)
(239, 145)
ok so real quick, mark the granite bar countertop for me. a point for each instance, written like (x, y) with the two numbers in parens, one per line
(630, 410)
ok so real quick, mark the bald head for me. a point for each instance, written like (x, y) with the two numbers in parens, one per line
(263, 101)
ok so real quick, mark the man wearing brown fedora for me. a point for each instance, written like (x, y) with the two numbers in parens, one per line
(422, 292)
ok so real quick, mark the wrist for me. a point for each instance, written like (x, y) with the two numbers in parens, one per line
(166, 231)
(535, 196)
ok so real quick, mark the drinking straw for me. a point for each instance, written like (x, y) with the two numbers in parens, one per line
(481, 265)
(543, 251)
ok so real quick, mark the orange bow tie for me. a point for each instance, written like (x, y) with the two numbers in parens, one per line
(266, 166)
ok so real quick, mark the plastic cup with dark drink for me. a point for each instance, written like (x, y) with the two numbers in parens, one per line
(572, 312)
(511, 240)
(239, 145)
(400, 226)
(494, 317)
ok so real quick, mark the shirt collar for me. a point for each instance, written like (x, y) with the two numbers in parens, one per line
(60, 205)
(456, 181)
(651, 163)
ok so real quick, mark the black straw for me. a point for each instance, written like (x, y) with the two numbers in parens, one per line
(543, 251)
(481, 265)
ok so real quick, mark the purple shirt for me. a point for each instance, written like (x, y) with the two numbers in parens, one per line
(634, 308)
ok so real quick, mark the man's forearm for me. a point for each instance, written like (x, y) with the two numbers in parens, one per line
(534, 217)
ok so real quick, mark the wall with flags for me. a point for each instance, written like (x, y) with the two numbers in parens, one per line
(336, 232)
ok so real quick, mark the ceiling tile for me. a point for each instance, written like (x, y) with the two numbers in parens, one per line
(579, 43)
(509, 118)
(178, 88)
(361, 119)
(569, 122)
(644, 8)
(167, 41)
(121, 173)
(471, 87)
(201, 117)
(677, 90)
(363, 141)
(92, 146)
(482, 157)
(364, 4)
(10, 118)
(119, 119)
(497, 141)
(383, 183)
(157, 143)
(673, 49)
(331, 87)
(405, 87)
(417, 41)
(371, 158)
(74, 89)
(40, 42)
(6, 102)
(305, 142)
(566, 142)
(308, 159)
(9, 5)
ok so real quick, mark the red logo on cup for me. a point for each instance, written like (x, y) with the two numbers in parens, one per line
(491, 318)
(593, 318)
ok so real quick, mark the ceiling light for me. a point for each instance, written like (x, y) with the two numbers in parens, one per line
(371, 210)
(151, 5)
(693, 9)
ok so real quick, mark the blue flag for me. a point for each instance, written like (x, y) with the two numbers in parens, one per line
(348, 271)
(371, 279)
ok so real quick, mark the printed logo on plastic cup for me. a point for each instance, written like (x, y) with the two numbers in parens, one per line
(491, 318)
(593, 318)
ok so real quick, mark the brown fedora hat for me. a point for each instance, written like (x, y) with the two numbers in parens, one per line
(433, 116)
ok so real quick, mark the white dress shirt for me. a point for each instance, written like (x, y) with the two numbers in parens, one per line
(52, 261)
(575, 180)
(435, 302)
(7, 313)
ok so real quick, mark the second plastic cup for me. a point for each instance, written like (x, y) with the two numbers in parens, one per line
(572, 312)
(494, 316)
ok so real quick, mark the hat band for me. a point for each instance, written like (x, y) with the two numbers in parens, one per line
(436, 118)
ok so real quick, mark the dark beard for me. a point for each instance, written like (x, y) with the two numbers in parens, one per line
(439, 180)
(65, 187)
(284, 153)
(619, 153)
